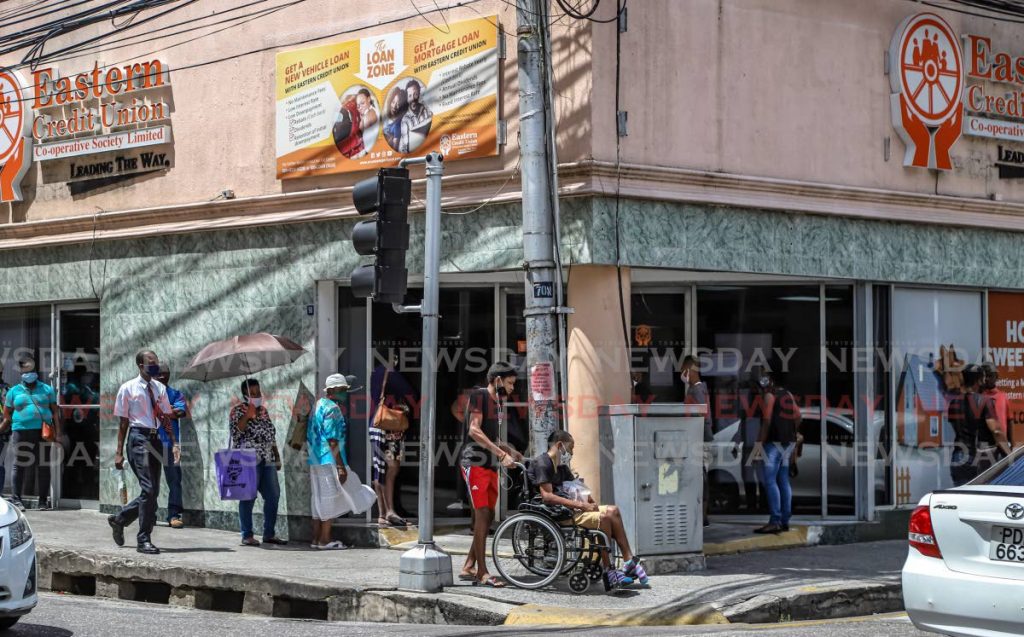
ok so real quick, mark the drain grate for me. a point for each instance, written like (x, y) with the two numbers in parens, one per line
(73, 584)
(220, 600)
(149, 592)
(299, 609)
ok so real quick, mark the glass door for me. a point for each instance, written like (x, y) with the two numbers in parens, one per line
(77, 383)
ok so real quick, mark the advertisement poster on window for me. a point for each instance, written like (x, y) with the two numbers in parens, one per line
(366, 104)
(1006, 350)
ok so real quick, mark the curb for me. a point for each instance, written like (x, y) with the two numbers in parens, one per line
(798, 537)
(116, 577)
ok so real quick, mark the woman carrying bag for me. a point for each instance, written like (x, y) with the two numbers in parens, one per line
(335, 490)
(251, 428)
(389, 393)
(30, 409)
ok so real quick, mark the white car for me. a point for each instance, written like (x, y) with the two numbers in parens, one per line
(18, 569)
(965, 571)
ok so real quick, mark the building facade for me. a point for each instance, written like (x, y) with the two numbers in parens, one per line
(760, 207)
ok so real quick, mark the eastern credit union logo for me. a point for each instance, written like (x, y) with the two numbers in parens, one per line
(927, 78)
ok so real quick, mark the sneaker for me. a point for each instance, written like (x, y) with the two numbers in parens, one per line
(18, 503)
(44, 505)
(176, 523)
(613, 578)
(634, 571)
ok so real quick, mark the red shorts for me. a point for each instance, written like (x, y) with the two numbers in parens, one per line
(483, 486)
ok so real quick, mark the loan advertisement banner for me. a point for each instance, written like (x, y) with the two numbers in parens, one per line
(1006, 350)
(366, 104)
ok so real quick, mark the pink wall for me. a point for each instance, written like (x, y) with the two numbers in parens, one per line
(789, 89)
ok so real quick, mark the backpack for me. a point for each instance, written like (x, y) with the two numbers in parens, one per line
(785, 418)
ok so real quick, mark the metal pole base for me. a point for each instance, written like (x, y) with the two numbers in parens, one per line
(426, 568)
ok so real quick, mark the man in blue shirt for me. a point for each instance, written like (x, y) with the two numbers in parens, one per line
(172, 470)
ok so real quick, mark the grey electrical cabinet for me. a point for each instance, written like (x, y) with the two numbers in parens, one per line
(652, 468)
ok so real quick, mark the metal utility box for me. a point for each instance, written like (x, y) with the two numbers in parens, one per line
(652, 468)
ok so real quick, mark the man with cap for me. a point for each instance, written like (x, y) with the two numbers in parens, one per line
(326, 435)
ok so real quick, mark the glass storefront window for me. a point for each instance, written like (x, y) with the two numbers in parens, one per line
(24, 331)
(743, 328)
(926, 323)
(78, 397)
(657, 345)
(465, 351)
(882, 306)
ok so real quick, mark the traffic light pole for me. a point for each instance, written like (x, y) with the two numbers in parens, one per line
(427, 567)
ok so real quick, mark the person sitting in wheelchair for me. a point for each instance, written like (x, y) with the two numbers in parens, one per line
(548, 472)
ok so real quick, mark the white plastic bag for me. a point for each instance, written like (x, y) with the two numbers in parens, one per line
(122, 488)
(576, 490)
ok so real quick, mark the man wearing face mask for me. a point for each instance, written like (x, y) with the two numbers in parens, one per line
(548, 472)
(172, 469)
(697, 394)
(143, 408)
(482, 451)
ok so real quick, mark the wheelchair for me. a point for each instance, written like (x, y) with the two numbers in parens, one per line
(541, 543)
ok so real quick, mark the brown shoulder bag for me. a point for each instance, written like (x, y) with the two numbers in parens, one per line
(390, 419)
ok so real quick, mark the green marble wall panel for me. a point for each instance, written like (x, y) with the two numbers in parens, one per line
(670, 235)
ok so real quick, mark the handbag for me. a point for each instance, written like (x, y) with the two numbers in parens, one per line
(49, 433)
(390, 419)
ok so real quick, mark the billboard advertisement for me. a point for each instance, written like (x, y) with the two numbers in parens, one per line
(366, 104)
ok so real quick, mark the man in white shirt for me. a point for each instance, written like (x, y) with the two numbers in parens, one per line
(142, 408)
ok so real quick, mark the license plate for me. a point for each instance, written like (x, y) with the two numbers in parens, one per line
(1007, 544)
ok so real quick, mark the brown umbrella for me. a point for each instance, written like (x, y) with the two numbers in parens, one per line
(241, 356)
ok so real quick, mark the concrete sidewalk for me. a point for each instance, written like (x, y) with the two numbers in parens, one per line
(209, 569)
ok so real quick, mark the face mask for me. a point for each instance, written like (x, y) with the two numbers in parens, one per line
(153, 370)
(29, 377)
(256, 402)
(564, 457)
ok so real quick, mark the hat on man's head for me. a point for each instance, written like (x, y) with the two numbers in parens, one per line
(336, 381)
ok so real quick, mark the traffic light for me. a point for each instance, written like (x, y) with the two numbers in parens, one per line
(386, 236)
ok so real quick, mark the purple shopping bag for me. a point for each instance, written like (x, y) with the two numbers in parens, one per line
(236, 473)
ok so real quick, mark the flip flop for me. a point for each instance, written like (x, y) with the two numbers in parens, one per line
(383, 522)
(397, 521)
(467, 577)
(332, 546)
(491, 582)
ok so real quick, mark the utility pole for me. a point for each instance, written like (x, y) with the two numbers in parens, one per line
(427, 567)
(538, 243)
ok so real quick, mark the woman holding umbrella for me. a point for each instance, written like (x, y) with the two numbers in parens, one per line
(249, 421)
(251, 428)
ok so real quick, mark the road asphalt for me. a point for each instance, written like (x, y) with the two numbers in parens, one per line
(64, 616)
